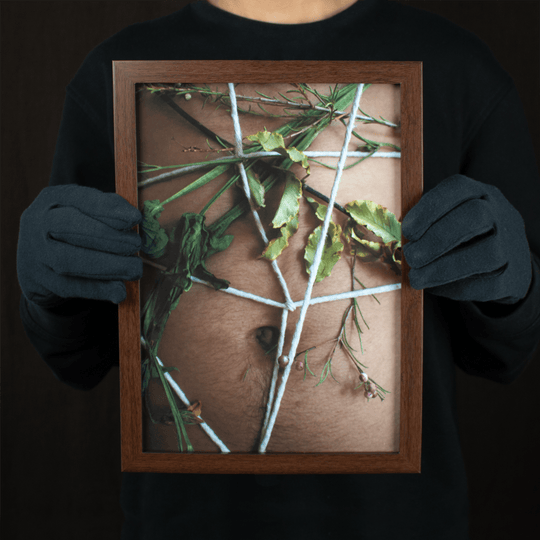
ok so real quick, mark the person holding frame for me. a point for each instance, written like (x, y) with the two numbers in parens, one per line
(483, 301)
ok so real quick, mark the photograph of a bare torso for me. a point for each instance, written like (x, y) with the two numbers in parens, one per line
(218, 370)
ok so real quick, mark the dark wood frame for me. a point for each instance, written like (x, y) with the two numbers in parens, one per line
(126, 74)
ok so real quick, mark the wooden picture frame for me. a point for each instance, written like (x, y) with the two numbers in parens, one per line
(166, 79)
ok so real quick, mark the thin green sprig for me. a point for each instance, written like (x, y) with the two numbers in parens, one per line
(305, 362)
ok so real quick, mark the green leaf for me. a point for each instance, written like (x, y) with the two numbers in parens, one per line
(193, 244)
(154, 237)
(374, 144)
(256, 188)
(331, 251)
(217, 243)
(263, 95)
(201, 181)
(221, 224)
(376, 218)
(346, 96)
(277, 245)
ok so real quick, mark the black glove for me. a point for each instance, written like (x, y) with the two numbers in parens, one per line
(467, 242)
(76, 242)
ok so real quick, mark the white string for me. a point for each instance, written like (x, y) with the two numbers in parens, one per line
(185, 400)
(243, 294)
(313, 272)
(351, 294)
(315, 300)
(354, 154)
(239, 151)
(313, 153)
(284, 315)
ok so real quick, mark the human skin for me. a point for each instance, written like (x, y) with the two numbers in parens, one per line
(212, 337)
(284, 11)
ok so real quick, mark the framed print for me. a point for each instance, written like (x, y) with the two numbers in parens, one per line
(269, 334)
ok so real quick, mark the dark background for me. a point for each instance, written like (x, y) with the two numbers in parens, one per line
(61, 447)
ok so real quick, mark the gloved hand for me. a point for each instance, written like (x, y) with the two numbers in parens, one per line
(467, 242)
(76, 242)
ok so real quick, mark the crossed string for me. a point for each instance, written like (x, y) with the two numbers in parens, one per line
(289, 305)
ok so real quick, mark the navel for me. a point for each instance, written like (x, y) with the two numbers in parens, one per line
(267, 337)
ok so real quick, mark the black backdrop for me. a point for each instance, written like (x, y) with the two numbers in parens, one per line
(61, 447)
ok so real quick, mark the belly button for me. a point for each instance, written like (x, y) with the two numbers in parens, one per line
(267, 337)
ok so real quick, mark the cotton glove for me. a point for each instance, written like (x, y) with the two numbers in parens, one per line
(467, 242)
(77, 242)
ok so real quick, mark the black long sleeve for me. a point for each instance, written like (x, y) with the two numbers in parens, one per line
(496, 341)
(78, 340)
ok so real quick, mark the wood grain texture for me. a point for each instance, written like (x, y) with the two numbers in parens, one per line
(409, 75)
(411, 299)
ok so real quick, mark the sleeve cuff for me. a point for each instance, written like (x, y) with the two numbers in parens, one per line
(517, 319)
(66, 322)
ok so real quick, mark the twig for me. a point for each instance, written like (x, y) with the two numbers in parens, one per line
(273, 101)
(325, 199)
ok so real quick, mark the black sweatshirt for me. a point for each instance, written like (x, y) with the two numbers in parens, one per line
(473, 125)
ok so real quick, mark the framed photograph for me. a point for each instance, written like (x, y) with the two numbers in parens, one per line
(268, 334)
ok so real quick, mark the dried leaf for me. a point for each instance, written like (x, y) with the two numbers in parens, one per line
(269, 140)
(366, 250)
(331, 251)
(333, 246)
(299, 157)
(289, 206)
(286, 217)
(195, 408)
(320, 209)
(277, 245)
(154, 237)
(196, 244)
(256, 188)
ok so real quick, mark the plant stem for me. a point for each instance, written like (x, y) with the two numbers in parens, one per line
(183, 169)
(227, 185)
(201, 127)
(292, 104)
(337, 206)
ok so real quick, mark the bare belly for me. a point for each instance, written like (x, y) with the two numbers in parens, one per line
(217, 340)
